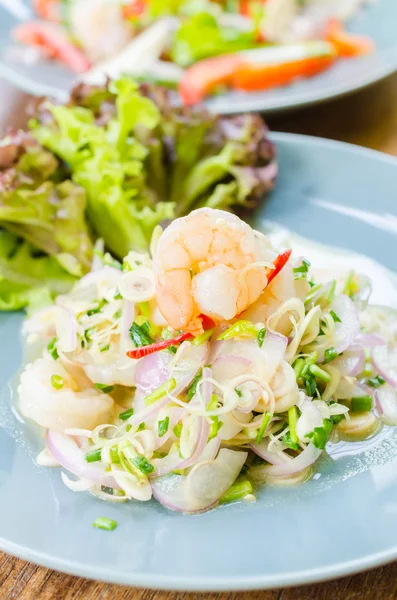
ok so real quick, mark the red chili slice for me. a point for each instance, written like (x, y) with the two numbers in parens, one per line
(279, 263)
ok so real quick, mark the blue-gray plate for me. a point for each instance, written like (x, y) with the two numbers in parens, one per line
(343, 521)
(378, 21)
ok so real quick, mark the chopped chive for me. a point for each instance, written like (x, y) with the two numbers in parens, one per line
(203, 337)
(329, 355)
(376, 381)
(265, 422)
(310, 385)
(161, 391)
(238, 329)
(361, 404)
(105, 523)
(177, 430)
(261, 337)
(237, 491)
(105, 348)
(298, 367)
(114, 455)
(172, 349)
(142, 463)
(107, 490)
(320, 373)
(128, 427)
(141, 427)
(292, 420)
(335, 316)
(93, 456)
(126, 414)
(302, 271)
(239, 392)
(57, 382)
(310, 360)
(193, 386)
(52, 349)
(102, 387)
(162, 427)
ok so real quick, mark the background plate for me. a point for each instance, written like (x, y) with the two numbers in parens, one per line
(341, 522)
(378, 21)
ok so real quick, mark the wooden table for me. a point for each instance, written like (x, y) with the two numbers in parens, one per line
(368, 118)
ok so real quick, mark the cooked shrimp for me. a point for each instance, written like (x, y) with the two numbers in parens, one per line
(209, 263)
(99, 27)
(59, 409)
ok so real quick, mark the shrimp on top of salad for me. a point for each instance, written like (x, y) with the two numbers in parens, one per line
(166, 375)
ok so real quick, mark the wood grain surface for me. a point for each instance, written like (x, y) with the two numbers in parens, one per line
(367, 118)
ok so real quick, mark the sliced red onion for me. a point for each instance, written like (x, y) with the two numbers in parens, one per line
(228, 366)
(172, 462)
(204, 485)
(66, 329)
(65, 450)
(386, 401)
(309, 456)
(152, 371)
(382, 362)
(262, 450)
(352, 361)
(370, 340)
(347, 330)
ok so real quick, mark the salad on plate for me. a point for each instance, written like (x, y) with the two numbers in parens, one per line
(198, 47)
(206, 366)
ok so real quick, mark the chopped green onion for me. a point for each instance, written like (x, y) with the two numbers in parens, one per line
(239, 392)
(177, 430)
(107, 490)
(310, 360)
(215, 427)
(144, 307)
(320, 373)
(376, 381)
(142, 463)
(162, 427)
(310, 385)
(193, 386)
(203, 337)
(105, 348)
(126, 414)
(93, 456)
(172, 349)
(265, 422)
(237, 491)
(261, 337)
(128, 427)
(94, 311)
(114, 455)
(302, 271)
(140, 335)
(117, 314)
(330, 354)
(105, 523)
(141, 427)
(335, 316)
(57, 382)
(298, 367)
(238, 329)
(287, 440)
(161, 391)
(102, 387)
(336, 418)
(313, 293)
(292, 420)
(319, 436)
(361, 404)
(52, 349)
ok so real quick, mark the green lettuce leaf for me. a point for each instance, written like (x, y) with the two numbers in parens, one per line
(28, 279)
(47, 213)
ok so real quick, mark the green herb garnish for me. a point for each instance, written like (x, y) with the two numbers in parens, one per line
(105, 523)
(142, 463)
(319, 436)
(261, 337)
(302, 271)
(126, 414)
(102, 387)
(162, 427)
(57, 382)
(361, 404)
(140, 334)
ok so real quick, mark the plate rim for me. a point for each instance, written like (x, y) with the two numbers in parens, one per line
(229, 583)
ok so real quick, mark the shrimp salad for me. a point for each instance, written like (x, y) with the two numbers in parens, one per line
(209, 365)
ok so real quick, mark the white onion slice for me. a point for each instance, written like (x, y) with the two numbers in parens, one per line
(309, 456)
(137, 285)
(65, 450)
(310, 418)
(204, 485)
(386, 401)
(382, 362)
(347, 330)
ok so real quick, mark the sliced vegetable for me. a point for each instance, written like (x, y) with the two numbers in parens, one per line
(347, 44)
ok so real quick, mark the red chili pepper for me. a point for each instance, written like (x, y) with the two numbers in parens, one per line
(151, 348)
(347, 44)
(279, 263)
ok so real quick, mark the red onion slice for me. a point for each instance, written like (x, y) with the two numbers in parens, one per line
(228, 366)
(66, 451)
(352, 362)
(370, 340)
(382, 362)
(386, 401)
(152, 371)
(347, 330)
(262, 450)
(204, 485)
(176, 415)
(308, 457)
